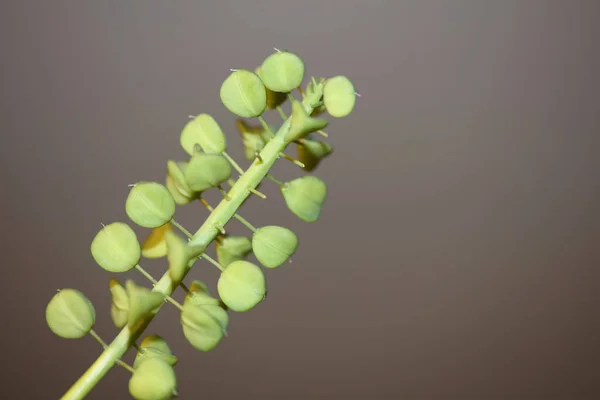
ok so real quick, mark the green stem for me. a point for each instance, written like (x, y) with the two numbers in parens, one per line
(212, 261)
(181, 228)
(203, 237)
(104, 345)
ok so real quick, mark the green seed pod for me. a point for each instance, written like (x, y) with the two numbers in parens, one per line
(241, 286)
(199, 288)
(302, 124)
(119, 309)
(116, 248)
(311, 152)
(150, 204)
(177, 196)
(282, 72)
(154, 346)
(244, 94)
(274, 99)
(176, 171)
(142, 302)
(70, 314)
(305, 196)
(232, 248)
(273, 245)
(177, 255)
(155, 245)
(339, 96)
(204, 131)
(254, 138)
(203, 321)
(154, 379)
(206, 171)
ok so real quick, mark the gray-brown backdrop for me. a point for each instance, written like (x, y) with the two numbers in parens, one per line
(457, 255)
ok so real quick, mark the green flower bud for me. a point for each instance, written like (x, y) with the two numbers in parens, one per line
(311, 152)
(150, 204)
(154, 346)
(273, 245)
(314, 92)
(119, 309)
(204, 131)
(241, 286)
(305, 196)
(116, 248)
(244, 94)
(339, 96)
(70, 314)
(282, 72)
(155, 245)
(232, 248)
(142, 302)
(206, 171)
(153, 379)
(302, 124)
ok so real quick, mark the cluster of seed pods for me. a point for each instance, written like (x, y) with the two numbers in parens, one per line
(242, 284)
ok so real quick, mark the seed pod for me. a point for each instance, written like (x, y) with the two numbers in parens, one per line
(244, 94)
(302, 124)
(273, 245)
(176, 256)
(199, 288)
(282, 72)
(70, 314)
(154, 379)
(204, 321)
(232, 248)
(155, 245)
(142, 301)
(154, 346)
(305, 196)
(175, 182)
(311, 152)
(116, 248)
(339, 96)
(274, 99)
(204, 131)
(241, 286)
(150, 204)
(119, 308)
(206, 171)
(254, 138)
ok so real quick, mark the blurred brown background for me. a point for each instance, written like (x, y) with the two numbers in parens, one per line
(457, 255)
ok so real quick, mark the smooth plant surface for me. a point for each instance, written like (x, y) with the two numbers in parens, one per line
(206, 314)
